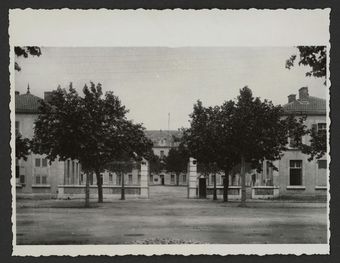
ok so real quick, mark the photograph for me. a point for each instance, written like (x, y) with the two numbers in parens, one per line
(148, 146)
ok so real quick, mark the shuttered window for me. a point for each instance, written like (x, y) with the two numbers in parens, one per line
(295, 172)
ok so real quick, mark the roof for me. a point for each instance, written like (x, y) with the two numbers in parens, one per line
(308, 106)
(163, 138)
(27, 103)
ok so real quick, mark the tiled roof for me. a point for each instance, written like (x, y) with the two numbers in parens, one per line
(27, 103)
(310, 106)
(163, 138)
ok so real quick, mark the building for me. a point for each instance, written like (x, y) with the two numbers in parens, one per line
(297, 175)
(163, 141)
(36, 176)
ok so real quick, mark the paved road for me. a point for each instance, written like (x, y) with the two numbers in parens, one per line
(203, 221)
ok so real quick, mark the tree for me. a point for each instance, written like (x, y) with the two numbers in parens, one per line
(91, 129)
(155, 163)
(177, 161)
(246, 131)
(313, 56)
(260, 131)
(24, 52)
(122, 166)
(318, 144)
(22, 147)
(200, 139)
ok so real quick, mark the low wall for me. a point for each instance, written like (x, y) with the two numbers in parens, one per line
(234, 192)
(78, 191)
(264, 192)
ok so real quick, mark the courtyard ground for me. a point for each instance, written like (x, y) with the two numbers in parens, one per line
(169, 216)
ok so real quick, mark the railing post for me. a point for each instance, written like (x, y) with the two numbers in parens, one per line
(144, 187)
(192, 178)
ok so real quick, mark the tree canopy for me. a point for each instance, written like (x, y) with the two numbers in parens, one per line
(22, 147)
(177, 161)
(92, 129)
(24, 52)
(313, 56)
(247, 130)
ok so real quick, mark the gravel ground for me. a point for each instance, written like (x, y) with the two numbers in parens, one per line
(163, 219)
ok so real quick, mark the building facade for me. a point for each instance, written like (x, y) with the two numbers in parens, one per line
(163, 141)
(37, 176)
(297, 175)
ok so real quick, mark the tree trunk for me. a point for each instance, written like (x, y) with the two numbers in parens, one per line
(215, 190)
(123, 187)
(100, 186)
(225, 186)
(87, 190)
(243, 182)
(177, 178)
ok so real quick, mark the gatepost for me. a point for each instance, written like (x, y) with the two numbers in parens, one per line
(144, 188)
(192, 176)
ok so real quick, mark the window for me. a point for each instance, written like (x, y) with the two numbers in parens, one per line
(110, 178)
(184, 178)
(81, 179)
(151, 177)
(37, 162)
(17, 171)
(17, 127)
(91, 179)
(43, 179)
(162, 154)
(118, 179)
(44, 162)
(22, 179)
(139, 178)
(322, 164)
(294, 142)
(295, 172)
(172, 178)
(322, 127)
(212, 179)
(218, 181)
(130, 178)
(37, 179)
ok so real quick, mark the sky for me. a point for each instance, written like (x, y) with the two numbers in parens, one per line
(155, 81)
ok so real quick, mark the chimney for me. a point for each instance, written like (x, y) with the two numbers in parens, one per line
(303, 93)
(291, 98)
(47, 96)
(17, 93)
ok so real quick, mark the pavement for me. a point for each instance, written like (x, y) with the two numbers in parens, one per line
(168, 216)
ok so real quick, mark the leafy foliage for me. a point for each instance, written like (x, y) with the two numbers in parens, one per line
(156, 164)
(22, 147)
(313, 56)
(177, 161)
(248, 130)
(92, 129)
(318, 144)
(24, 52)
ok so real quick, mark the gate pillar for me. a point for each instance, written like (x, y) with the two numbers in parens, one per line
(192, 178)
(144, 187)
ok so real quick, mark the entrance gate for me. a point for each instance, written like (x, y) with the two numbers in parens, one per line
(202, 189)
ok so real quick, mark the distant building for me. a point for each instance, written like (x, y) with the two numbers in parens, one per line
(163, 141)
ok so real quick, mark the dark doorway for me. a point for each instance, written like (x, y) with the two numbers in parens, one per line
(162, 179)
(202, 188)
